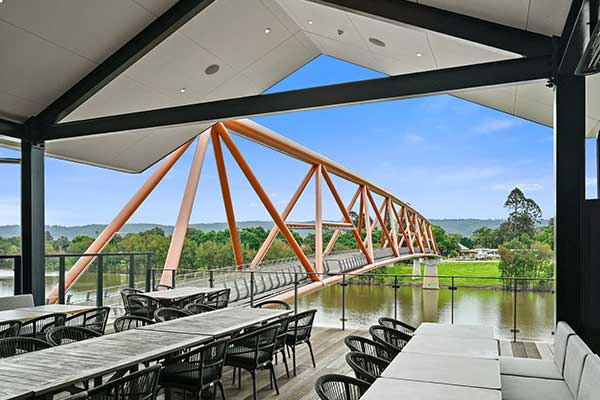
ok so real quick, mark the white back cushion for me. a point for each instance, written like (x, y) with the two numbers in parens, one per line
(561, 336)
(589, 388)
(577, 351)
(12, 302)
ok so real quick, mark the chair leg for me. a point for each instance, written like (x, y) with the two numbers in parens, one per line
(253, 373)
(274, 378)
(312, 356)
(220, 385)
(233, 381)
(294, 358)
(287, 370)
(239, 378)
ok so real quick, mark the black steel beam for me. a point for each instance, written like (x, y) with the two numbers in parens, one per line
(9, 160)
(461, 26)
(575, 37)
(12, 129)
(32, 220)
(569, 133)
(390, 88)
(140, 45)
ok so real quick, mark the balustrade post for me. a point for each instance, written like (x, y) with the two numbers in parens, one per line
(514, 329)
(211, 278)
(295, 293)
(100, 282)
(173, 278)
(148, 272)
(132, 271)
(61, 280)
(251, 289)
(344, 284)
(452, 290)
(18, 274)
(395, 296)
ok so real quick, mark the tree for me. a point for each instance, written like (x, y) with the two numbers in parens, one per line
(524, 214)
(446, 243)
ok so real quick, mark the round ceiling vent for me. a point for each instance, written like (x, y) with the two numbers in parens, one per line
(377, 42)
(211, 69)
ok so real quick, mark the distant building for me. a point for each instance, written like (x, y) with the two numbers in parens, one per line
(466, 252)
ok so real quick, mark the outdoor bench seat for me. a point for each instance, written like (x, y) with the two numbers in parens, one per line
(546, 369)
(528, 388)
(589, 388)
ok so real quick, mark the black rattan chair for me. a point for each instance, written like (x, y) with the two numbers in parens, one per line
(127, 322)
(195, 308)
(126, 292)
(397, 325)
(68, 334)
(37, 327)
(389, 337)
(196, 370)
(274, 304)
(340, 387)
(299, 331)
(254, 351)
(94, 319)
(9, 328)
(15, 346)
(218, 299)
(370, 347)
(141, 305)
(168, 314)
(139, 385)
(366, 367)
(194, 299)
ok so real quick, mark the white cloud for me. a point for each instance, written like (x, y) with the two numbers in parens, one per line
(496, 125)
(525, 187)
(414, 138)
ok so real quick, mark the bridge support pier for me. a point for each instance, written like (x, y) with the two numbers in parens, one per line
(430, 279)
(416, 268)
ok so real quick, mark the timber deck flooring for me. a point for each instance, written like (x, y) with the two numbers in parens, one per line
(330, 352)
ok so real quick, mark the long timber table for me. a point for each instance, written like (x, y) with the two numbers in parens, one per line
(49, 371)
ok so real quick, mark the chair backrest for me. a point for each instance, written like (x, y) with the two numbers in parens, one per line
(589, 388)
(94, 319)
(397, 325)
(196, 308)
(126, 292)
(577, 351)
(390, 337)
(370, 347)
(366, 367)
(205, 363)
(37, 327)
(167, 314)
(340, 387)
(139, 385)
(9, 328)
(141, 305)
(68, 334)
(561, 336)
(127, 322)
(258, 345)
(218, 299)
(301, 324)
(18, 301)
(274, 304)
(14, 346)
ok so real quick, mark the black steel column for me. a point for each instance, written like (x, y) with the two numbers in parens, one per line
(569, 159)
(32, 220)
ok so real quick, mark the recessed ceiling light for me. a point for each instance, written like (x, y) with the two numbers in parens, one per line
(182, 90)
(267, 30)
(211, 69)
(309, 22)
(419, 54)
(377, 42)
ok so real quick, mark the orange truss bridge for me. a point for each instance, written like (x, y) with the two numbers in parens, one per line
(406, 234)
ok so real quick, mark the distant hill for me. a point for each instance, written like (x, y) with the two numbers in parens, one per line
(465, 227)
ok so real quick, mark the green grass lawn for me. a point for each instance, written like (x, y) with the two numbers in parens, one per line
(487, 269)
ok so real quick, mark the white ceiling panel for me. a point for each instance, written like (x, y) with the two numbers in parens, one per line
(449, 52)
(17, 109)
(593, 96)
(507, 12)
(548, 16)
(502, 98)
(156, 7)
(234, 31)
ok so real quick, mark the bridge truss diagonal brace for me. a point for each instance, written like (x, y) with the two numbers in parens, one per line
(226, 193)
(405, 235)
(381, 221)
(122, 217)
(337, 232)
(264, 198)
(346, 215)
(264, 248)
(185, 211)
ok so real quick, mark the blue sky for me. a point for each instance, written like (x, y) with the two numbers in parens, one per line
(449, 158)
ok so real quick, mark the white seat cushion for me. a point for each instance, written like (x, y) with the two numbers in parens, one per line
(577, 351)
(530, 367)
(589, 388)
(523, 388)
